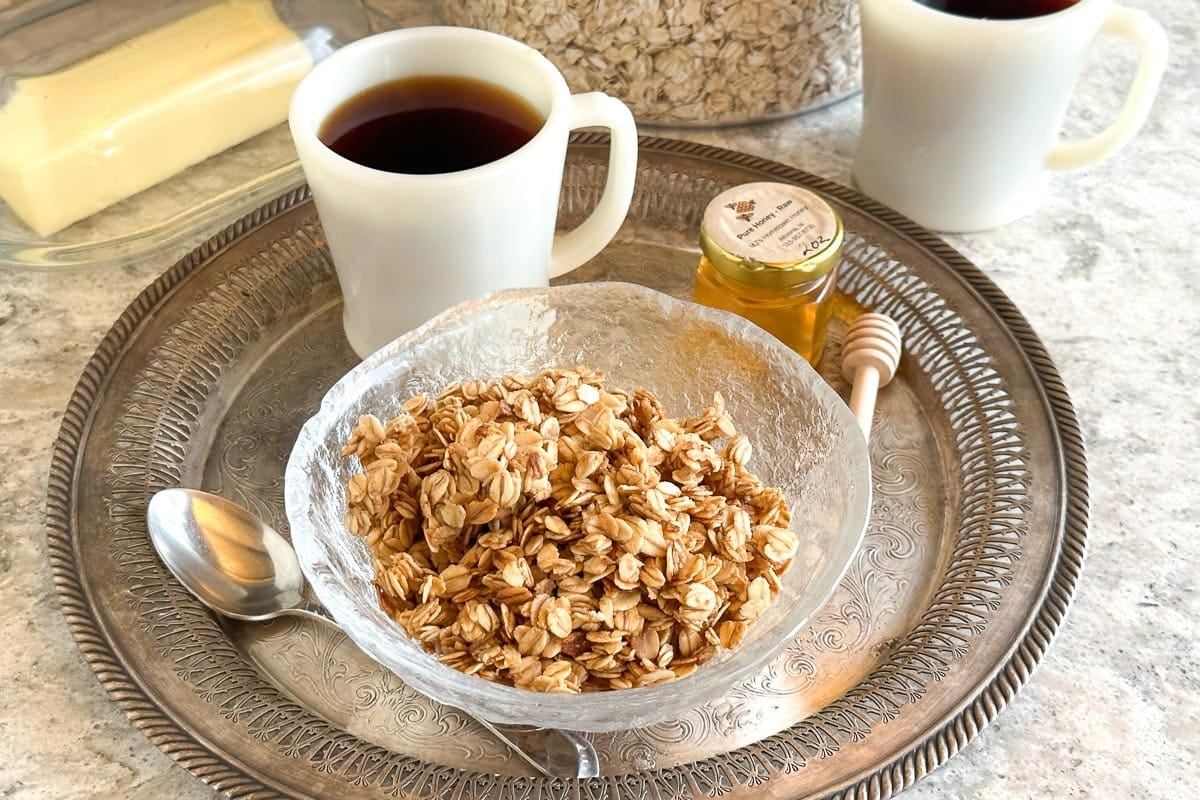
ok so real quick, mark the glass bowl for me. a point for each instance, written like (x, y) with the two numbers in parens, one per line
(805, 440)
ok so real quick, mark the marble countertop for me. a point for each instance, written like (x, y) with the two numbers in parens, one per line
(1107, 274)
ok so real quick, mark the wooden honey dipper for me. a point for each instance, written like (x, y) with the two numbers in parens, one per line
(870, 355)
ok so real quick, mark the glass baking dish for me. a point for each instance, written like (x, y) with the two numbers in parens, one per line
(41, 41)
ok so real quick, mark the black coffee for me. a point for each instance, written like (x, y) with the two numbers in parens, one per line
(426, 125)
(999, 9)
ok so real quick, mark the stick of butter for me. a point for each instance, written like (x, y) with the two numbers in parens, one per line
(76, 141)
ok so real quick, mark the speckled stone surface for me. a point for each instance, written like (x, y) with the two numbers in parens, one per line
(1106, 272)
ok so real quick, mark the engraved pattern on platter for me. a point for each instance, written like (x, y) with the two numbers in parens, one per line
(253, 441)
(163, 410)
(323, 671)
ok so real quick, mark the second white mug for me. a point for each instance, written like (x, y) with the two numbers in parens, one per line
(406, 247)
(961, 114)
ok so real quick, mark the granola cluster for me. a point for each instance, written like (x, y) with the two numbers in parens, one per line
(561, 536)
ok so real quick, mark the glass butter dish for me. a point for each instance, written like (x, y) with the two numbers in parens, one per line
(126, 127)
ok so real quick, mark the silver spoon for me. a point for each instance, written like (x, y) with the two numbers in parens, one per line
(240, 567)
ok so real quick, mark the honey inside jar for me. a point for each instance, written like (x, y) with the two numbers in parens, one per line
(770, 253)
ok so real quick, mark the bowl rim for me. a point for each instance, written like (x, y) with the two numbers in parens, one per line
(525, 706)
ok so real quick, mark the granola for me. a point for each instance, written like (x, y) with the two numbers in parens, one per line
(562, 536)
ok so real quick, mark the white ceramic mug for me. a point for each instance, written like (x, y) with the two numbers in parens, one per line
(961, 115)
(406, 247)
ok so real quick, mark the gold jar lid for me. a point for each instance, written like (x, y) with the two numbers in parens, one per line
(771, 235)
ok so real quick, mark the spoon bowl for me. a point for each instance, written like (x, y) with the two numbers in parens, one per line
(231, 560)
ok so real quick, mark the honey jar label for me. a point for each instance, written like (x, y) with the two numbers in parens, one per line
(771, 223)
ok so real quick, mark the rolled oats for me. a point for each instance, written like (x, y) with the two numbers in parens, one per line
(688, 61)
(562, 536)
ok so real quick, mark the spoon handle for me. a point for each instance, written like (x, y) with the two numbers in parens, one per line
(560, 753)
(313, 610)
(582, 765)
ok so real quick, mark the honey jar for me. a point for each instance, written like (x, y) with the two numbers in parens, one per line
(770, 253)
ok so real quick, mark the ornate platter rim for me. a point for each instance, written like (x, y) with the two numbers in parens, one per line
(978, 708)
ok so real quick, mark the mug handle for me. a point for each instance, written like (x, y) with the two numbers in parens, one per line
(573, 248)
(1151, 40)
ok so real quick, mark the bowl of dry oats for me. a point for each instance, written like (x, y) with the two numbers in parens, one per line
(590, 507)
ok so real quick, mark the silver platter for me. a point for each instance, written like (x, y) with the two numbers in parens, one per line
(975, 544)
